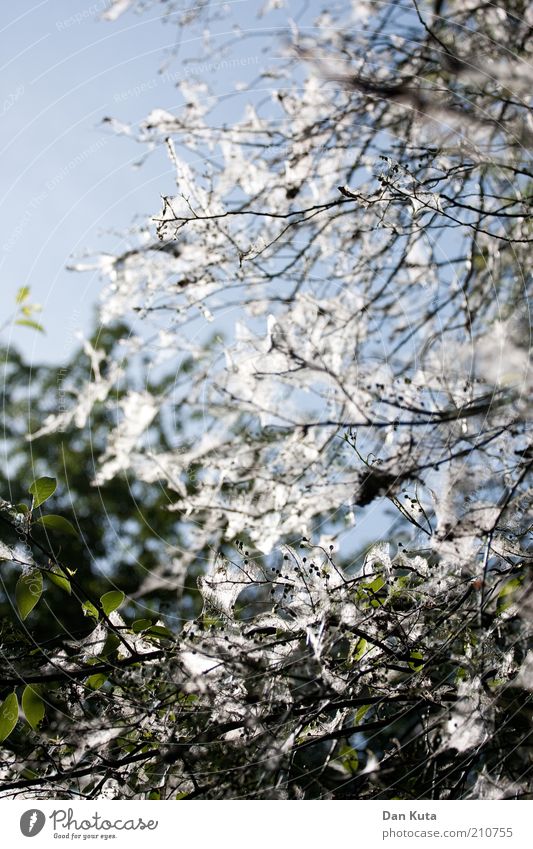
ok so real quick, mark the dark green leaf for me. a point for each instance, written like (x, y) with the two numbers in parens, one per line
(58, 523)
(28, 591)
(33, 705)
(9, 714)
(57, 577)
(141, 625)
(159, 631)
(111, 643)
(28, 773)
(41, 489)
(95, 681)
(111, 601)
(506, 596)
(90, 610)
(349, 759)
(361, 713)
(359, 649)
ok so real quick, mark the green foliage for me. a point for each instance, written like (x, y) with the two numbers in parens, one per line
(30, 322)
(58, 524)
(416, 661)
(373, 592)
(141, 625)
(112, 642)
(359, 649)
(28, 591)
(360, 713)
(349, 758)
(22, 295)
(25, 310)
(111, 601)
(57, 577)
(94, 682)
(159, 632)
(118, 522)
(41, 489)
(90, 610)
(507, 594)
(33, 705)
(9, 712)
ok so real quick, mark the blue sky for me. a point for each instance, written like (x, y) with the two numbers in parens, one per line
(67, 181)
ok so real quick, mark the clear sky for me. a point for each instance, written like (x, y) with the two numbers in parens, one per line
(67, 180)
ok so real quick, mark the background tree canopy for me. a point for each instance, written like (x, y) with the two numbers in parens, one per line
(328, 318)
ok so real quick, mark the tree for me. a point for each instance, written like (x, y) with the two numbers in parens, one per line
(334, 315)
(124, 529)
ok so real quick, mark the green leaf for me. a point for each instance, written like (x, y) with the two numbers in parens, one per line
(9, 714)
(374, 592)
(187, 699)
(57, 523)
(96, 681)
(28, 773)
(23, 294)
(349, 759)
(28, 322)
(111, 601)
(111, 643)
(33, 705)
(41, 489)
(361, 712)
(57, 577)
(378, 584)
(359, 649)
(90, 610)
(29, 309)
(160, 632)
(506, 596)
(141, 625)
(416, 662)
(28, 591)
(401, 581)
